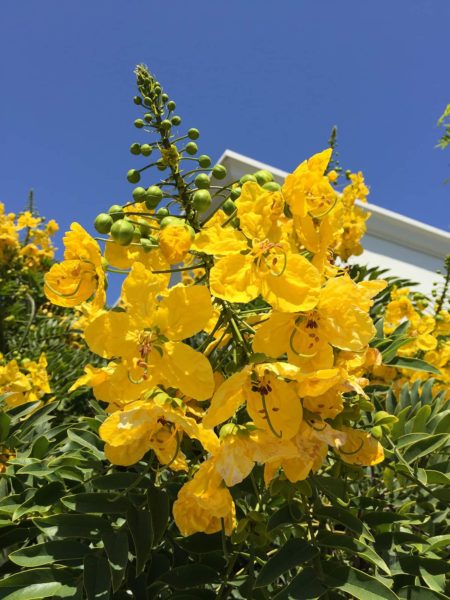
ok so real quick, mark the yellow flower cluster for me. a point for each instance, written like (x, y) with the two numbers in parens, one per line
(25, 237)
(268, 339)
(27, 382)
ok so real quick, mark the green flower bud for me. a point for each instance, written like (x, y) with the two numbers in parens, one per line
(139, 194)
(166, 125)
(377, 432)
(162, 212)
(235, 193)
(135, 148)
(148, 117)
(116, 212)
(136, 234)
(139, 123)
(133, 176)
(228, 207)
(103, 223)
(272, 186)
(202, 181)
(161, 165)
(263, 176)
(146, 244)
(191, 148)
(171, 105)
(153, 197)
(176, 120)
(122, 232)
(201, 200)
(164, 97)
(146, 149)
(219, 172)
(144, 228)
(204, 161)
(245, 178)
(193, 133)
(137, 100)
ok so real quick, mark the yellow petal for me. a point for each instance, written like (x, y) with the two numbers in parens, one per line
(258, 209)
(232, 278)
(272, 337)
(227, 399)
(361, 448)
(108, 335)
(184, 311)
(140, 288)
(70, 283)
(188, 370)
(297, 289)
(219, 240)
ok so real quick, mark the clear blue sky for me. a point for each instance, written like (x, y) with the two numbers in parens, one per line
(268, 79)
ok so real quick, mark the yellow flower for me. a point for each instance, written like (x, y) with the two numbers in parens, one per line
(360, 448)
(80, 275)
(204, 503)
(26, 219)
(148, 334)
(174, 242)
(339, 320)
(308, 190)
(143, 425)
(28, 383)
(271, 401)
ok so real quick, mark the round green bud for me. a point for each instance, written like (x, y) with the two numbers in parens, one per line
(191, 148)
(116, 212)
(137, 100)
(201, 200)
(161, 165)
(202, 181)
(219, 172)
(139, 123)
(204, 161)
(135, 148)
(171, 105)
(172, 221)
(133, 176)
(164, 97)
(103, 223)
(146, 244)
(146, 149)
(175, 120)
(272, 186)
(157, 89)
(228, 207)
(136, 234)
(263, 176)
(147, 102)
(235, 193)
(148, 117)
(139, 194)
(162, 212)
(153, 197)
(144, 228)
(166, 124)
(193, 133)
(246, 178)
(122, 232)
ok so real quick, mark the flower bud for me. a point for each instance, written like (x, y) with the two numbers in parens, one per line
(122, 232)
(162, 212)
(235, 193)
(139, 123)
(148, 117)
(165, 124)
(191, 148)
(116, 212)
(219, 172)
(135, 148)
(228, 206)
(193, 133)
(171, 106)
(247, 177)
(146, 244)
(202, 181)
(175, 120)
(201, 200)
(144, 228)
(204, 161)
(153, 197)
(133, 176)
(161, 165)
(103, 223)
(146, 149)
(139, 194)
(263, 176)
(272, 186)
(173, 221)
(137, 100)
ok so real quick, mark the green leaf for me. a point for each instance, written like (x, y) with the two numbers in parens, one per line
(201, 543)
(304, 586)
(87, 440)
(420, 420)
(158, 501)
(346, 518)
(116, 547)
(72, 526)
(117, 481)
(356, 547)
(388, 539)
(96, 578)
(191, 575)
(5, 422)
(48, 552)
(443, 426)
(294, 552)
(405, 362)
(42, 501)
(283, 516)
(99, 502)
(40, 447)
(359, 584)
(426, 446)
(436, 477)
(140, 524)
(34, 584)
(420, 593)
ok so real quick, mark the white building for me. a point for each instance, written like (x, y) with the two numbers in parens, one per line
(408, 248)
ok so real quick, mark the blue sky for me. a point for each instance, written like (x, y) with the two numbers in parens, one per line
(267, 79)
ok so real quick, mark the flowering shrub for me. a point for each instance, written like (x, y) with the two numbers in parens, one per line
(244, 378)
